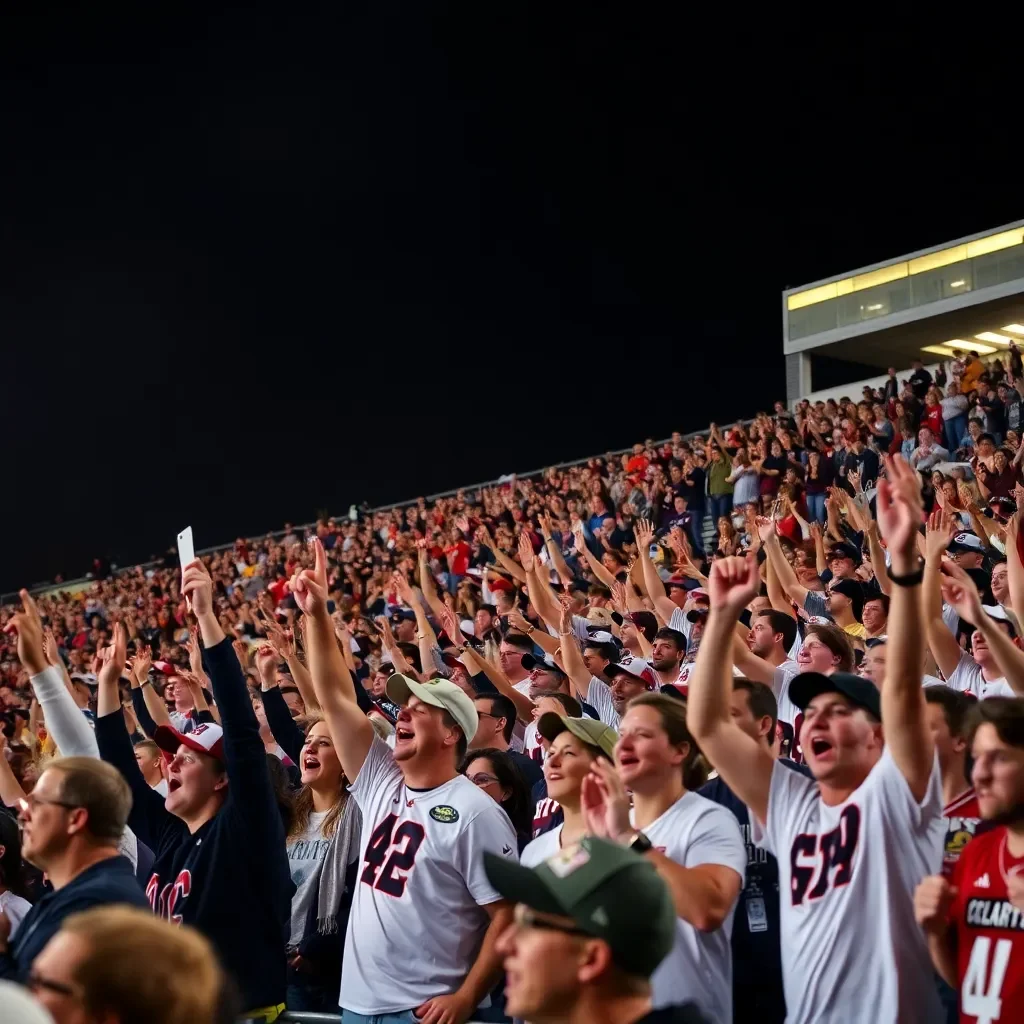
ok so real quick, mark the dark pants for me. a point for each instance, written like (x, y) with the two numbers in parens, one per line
(721, 505)
(312, 997)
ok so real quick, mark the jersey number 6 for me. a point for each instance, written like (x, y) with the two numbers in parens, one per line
(396, 850)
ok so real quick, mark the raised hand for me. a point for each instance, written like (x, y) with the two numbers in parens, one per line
(733, 584)
(526, 555)
(310, 585)
(518, 622)
(266, 663)
(141, 662)
(899, 507)
(50, 648)
(959, 591)
(565, 617)
(619, 599)
(197, 585)
(112, 658)
(449, 622)
(939, 532)
(29, 625)
(605, 802)
(404, 591)
(462, 522)
(241, 649)
(544, 525)
(195, 656)
(765, 528)
(643, 531)
(387, 638)
(579, 540)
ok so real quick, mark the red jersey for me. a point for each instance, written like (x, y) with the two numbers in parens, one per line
(962, 818)
(989, 932)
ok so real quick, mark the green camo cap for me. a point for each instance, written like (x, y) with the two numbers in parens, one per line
(587, 730)
(609, 891)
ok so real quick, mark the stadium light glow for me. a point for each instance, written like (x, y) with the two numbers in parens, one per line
(991, 336)
(1014, 328)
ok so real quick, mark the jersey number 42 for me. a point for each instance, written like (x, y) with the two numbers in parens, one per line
(390, 854)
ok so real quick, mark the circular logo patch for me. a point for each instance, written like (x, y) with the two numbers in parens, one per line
(444, 813)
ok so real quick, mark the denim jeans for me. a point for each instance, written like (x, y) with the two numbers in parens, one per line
(402, 1017)
(816, 507)
(955, 429)
(721, 505)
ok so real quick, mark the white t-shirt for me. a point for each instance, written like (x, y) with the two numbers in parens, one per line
(967, 676)
(416, 923)
(15, 907)
(851, 949)
(695, 831)
(538, 850)
(531, 743)
(599, 696)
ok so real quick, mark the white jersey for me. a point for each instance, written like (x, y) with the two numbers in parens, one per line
(851, 949)
(599, 696)
(695, 831)
(538, 850)
(968, 677)
(416, 923)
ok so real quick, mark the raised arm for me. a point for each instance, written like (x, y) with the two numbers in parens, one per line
(427, 586)
(644, 533)
(941, 642)
(907, 734)
(877, 558)
(554, 550)
(351, 731)
(282, 725)
(604, 576)
(744, 764)
(475, 663)
(284, 645)
(1014, 565)
(245, 759)
(572, 659)
(782, 569)
(958, 590)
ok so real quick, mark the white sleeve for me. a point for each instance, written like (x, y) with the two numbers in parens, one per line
(489, 831)
(378, 769)
(579, 628)
(950, 618)
(966, 677)
(898, 803)
(64, 720)
(600, 696)
(716, 839)
(791, 797)
(681, 624)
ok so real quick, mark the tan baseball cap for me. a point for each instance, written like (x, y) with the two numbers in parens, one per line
(587, 730)
(441, 694)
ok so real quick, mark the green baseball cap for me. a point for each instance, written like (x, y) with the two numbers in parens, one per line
(608, 891)
(587, 730)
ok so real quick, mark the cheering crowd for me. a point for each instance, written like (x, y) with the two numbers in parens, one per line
(728, 728)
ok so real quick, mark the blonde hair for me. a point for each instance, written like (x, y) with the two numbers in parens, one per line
(180, 980)
(302, 804)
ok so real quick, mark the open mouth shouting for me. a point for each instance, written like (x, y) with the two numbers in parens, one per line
(820, 746)
(173, 784)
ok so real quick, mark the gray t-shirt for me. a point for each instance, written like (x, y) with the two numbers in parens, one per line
(305, 854)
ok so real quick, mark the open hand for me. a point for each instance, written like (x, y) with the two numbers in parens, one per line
(960, 592)
(605, 802)
(526, 556)
(899, 508)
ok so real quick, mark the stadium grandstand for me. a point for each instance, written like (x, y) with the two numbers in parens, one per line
(534, 663)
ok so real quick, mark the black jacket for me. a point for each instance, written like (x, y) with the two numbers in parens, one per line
(230, 879)
(108, 881)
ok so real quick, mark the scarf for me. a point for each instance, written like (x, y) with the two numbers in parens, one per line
(334, 867)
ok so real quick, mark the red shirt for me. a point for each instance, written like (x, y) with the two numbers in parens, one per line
(932, 417)
(962, 818)
(989, 932)
(460, 557)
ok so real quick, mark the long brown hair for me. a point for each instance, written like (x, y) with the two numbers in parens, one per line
(672, 713)
(302, 805)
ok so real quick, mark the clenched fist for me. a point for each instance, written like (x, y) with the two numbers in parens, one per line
(932, 900)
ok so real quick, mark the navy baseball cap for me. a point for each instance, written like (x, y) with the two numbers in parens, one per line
(845, 551)
(859, 691)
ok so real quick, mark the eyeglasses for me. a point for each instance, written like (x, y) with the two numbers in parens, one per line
(482, 779)
(35, 981)
(31, 802)
(525, 917)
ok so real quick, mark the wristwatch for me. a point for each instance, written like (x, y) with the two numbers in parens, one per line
(640, 843)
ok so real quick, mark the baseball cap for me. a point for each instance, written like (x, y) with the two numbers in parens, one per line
(440, 694)
(587, 730)
(610, 893)
(676, 581)
(547, 663)
(854, 591)
(843, 550)
(630, 669)
(862, 692)
(967, 542)
(205, 738)
(500, 584)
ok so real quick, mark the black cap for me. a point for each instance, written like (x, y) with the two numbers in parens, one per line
(845, 551)
(854, 591)
(530, 662)
(862, 692)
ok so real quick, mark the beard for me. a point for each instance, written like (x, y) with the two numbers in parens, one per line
(664, 664)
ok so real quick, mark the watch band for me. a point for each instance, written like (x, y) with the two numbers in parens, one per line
(640, 843)
(911, 579)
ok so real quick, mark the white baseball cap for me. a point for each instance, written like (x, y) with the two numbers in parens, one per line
(440, 693)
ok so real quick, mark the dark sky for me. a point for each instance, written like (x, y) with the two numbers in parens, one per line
(258, 265)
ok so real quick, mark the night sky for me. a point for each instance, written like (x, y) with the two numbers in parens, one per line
(255, 266)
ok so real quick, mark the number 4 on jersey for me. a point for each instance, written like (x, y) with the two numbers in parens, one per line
(402, 844)
(979, 994)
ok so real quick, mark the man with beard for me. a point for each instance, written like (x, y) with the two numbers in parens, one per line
(974, 922)
(669, 650)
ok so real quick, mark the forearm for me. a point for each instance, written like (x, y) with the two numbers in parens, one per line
(282, 726)
(155, 706)
(64, 720)
(784, 571)
(512, 567)
(1008, 656)
(475, 663)
(697, 894)
(1015, 572)
(558, 561)
(486, 969)
(11, 792)
(597, 568)
(877, 558)
(942, 950)
(303, 681)
(776, 595)
(427, 586)
(575, 668)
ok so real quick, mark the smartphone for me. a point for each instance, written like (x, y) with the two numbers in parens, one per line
(186, 548)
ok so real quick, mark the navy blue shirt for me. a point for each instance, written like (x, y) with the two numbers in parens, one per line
(756, 951)
(108, 881)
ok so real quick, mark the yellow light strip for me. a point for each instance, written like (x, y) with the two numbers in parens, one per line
(995, 339)
(947, 350)
(895, 271)
(1014, 328)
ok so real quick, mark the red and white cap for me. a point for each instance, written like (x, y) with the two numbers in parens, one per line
(205, 738)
